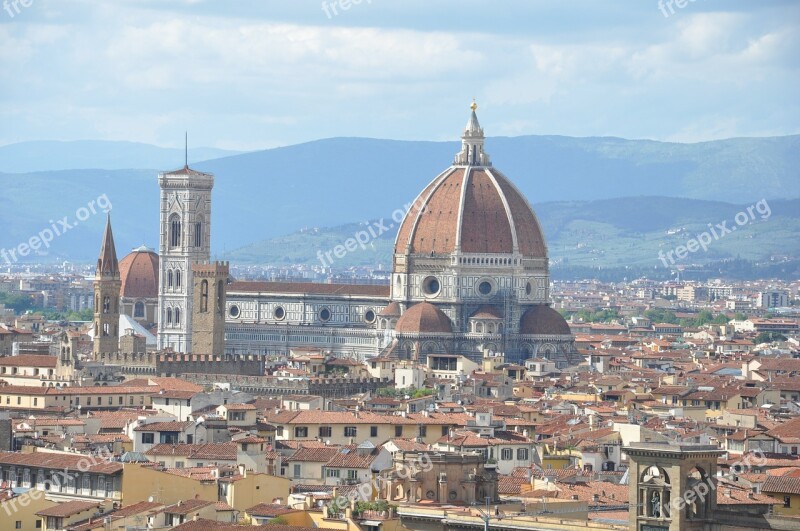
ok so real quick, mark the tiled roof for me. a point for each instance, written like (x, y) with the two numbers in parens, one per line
(60, 462)
(781, 485)
(788, 432)
(239, 407)
(165, 426)
(408, 445)
(28, 360)
(510, 485)
(542, 319)
(208, 451)
(70, 508)
(269, 510)
(424, 317)
(119, 418)
(138, 274)
(187, 506)
(351, 457)
(314, 455)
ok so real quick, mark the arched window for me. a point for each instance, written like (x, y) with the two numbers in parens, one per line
(169, 278)
(106, 304)
(177, 278)
(177, 316)
(174, 230)
(204, 296)
(138, 309)
(198, 233)
(169, 315)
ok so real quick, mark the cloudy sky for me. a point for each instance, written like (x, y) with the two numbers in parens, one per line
(253, 74)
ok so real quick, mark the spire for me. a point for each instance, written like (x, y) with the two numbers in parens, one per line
(472, 153)
(107, 262)
(473, 127)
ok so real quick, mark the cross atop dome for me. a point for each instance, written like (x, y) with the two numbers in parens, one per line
(472, 153)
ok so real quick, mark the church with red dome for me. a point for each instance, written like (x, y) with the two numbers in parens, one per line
(470, 274)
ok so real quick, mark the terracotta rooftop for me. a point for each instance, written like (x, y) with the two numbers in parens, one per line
(70, 508)
(475, 210)
(424, 317)
(542, 319)
(139, 274)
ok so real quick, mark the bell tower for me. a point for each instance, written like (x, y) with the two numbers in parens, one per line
(672, 486)
(184, 241)
(106, 299)
(208, 319)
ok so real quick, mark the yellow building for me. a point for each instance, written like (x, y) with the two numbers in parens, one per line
(786, 489)
(20, 511)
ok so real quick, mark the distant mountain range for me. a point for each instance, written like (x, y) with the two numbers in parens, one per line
(262, 199)
(605, 233)
(25, 157)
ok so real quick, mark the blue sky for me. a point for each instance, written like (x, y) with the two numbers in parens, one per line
(258, 74)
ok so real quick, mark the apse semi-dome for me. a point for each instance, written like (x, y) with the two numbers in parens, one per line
(543, 320)
(473, 208)
(422, 318)
(139, 274)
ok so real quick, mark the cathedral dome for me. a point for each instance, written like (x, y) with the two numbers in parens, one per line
(472, 208)
(543, 320)
(139, 274)
(423, 318)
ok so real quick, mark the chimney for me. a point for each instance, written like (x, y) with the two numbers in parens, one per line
(595, 498)
(575, 497)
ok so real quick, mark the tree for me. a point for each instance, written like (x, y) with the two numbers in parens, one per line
(16, 301)
(769, 337)
(658, 315)
(721, 319)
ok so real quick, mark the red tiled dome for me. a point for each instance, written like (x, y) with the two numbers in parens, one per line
(542, 319)
(475, 210)
(139, 274)
(424, 317)
(392, 310)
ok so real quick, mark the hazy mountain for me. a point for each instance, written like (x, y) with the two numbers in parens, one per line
(263, 195)
(604, 233)
(35, 156)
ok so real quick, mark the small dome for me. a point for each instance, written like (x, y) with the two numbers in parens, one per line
(486, 312)
(422, 318)
(543, 320)
(392, 310)
(139, 274)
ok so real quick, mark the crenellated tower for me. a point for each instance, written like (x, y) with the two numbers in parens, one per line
(208, 318)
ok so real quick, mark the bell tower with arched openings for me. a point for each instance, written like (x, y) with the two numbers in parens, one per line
(106, 298)
(672, 486)
(184, 241)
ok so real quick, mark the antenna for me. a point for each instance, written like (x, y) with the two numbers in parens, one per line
(186, 148)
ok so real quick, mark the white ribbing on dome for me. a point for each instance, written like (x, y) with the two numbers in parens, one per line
(472, 153)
